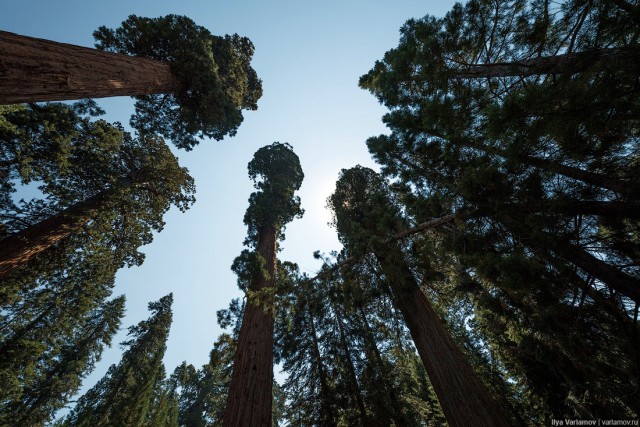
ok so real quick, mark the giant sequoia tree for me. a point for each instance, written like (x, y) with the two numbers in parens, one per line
(205, 80)
(363, 211)
(277, 174)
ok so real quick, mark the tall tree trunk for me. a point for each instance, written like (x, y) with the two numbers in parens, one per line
(17, 249)
(328, 418)
(568, 63)
(464, 399)
(34, 70)
(250, 392)
(353, 378)
(382, 367)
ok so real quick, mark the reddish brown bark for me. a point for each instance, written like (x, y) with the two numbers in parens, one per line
(464, 399)
(250, 392)
(34, 70)
(19, 248)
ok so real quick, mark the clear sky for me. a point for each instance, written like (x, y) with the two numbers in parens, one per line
(309, 56)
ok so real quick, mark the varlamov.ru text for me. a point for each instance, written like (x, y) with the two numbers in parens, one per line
(598, 422)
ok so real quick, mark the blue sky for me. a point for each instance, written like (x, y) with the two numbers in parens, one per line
(309, 56)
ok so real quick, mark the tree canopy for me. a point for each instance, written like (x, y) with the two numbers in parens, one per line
(217, 80)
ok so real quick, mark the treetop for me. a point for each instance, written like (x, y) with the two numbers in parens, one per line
(215, 73)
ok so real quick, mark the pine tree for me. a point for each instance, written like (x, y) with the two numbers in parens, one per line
(163, 410)
(125, 394)
(309, 382)
(320, 324)
(34, 389)
(277, 174)
(203, 392)
(89, 171)
(553, 146)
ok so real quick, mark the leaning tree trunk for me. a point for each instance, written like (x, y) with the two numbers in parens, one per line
(588, 177)
(593, 178)
(250, 392)
(626, 284)
(17, 249)
(464, 399)
(568, 63)
(34, 70)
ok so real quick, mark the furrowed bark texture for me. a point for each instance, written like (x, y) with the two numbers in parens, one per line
(250, 392)
(463, 397)
(35, 70)
(19, 248)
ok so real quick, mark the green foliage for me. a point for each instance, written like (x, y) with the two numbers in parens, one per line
(126, 393)
(529, 163)
(55, 315)
(377, 350)
(362, 213)
(44, 361)
(217, 80)
(76, 160)
(276, 173)
(203, 392)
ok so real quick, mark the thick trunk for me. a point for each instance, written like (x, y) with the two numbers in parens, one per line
(463, 397)
(569, 63)
(17, 249)
(34, 70)
(328, 418)
(250, 392)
